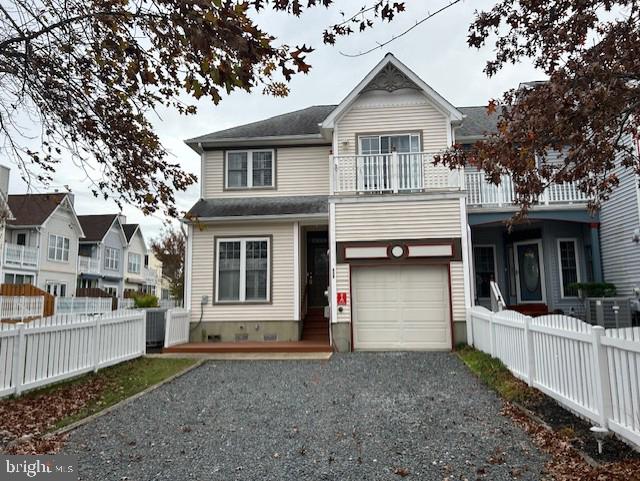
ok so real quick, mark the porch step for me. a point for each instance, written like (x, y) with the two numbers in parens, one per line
(533, 310)
(250, 347)
(315, 327)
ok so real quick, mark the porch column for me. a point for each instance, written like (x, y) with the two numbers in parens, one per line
(596, 259)
(296, 271)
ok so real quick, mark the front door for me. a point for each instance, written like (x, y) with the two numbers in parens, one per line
(317, 268)
(530, 272)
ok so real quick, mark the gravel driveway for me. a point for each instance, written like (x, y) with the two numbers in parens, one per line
(375, 417)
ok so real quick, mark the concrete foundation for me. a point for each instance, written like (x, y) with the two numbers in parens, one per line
(342, 336)
(246, 331)
(459, 332)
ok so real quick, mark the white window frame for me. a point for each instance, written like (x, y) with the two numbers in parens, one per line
(139, 264)
(58, 284)
(14, 274)
(106, 288)
(578, 273)
(249, 153)
(495, 266)
(389, 134)
(55, 248)
(243, 270)
(111, 263)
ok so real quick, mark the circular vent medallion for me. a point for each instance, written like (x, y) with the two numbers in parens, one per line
(397, 251)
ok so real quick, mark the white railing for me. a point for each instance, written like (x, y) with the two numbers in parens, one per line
(480, 192)
(177, 327)
(590, 371)
(395, 173)
(88, 265)
(51, 349)
(149, 276)
(497, 300)
(83, 305)
(125, 303)
(18, 308)
(20, 256)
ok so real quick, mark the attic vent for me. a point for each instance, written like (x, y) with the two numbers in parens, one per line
(390, 78)
(242, 337)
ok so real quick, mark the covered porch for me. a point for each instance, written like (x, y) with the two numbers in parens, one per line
(536, 264)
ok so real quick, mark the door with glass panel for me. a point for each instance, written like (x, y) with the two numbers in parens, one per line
(379, 170)
(530, 272)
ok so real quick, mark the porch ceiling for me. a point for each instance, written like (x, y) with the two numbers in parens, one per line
(574, 215)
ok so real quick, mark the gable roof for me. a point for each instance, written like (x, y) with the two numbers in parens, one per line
(477, 123)
(95, 227)
(33, 209)
(301, 124)
(406, 77)
(129, 230)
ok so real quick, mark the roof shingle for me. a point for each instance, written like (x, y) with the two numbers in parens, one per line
(95, 227)
(33, 209)
(256, 206)
(129, 230)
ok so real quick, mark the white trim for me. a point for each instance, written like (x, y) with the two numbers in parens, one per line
(464, 246)
(249, 153)
(242, 218)
(543, 287)
(575, 253)
(296, 271)
(55, 247)
(203, 173)
(48, 283)
(415, 133)
(441, 103)
(243, 270)
(495, 264)
(73, 212)
(187, 267)
(333, 302)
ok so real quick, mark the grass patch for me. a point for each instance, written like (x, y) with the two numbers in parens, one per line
(495, 375)
(123, 381)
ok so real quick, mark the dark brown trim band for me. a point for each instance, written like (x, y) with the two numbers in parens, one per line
(455, 243)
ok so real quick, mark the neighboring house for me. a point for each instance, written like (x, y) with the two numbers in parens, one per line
(5, 211)
(138, 277)
(102, 259)
(41, 242)
(346, 199)
(157, 283)
(620, 230)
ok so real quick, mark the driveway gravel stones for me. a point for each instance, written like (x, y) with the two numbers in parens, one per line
(382, 416)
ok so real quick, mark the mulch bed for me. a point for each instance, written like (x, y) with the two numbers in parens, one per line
(575, 430)
(25, 420)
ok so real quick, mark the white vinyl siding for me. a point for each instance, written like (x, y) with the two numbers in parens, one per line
(298, 171)
(397, 220)
(58, 248)
(343, 284)
(456, 270)
(203, 267)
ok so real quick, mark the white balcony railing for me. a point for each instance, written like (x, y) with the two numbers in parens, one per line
(20, 256)
(392, 173)
(480, 192)
(149, 276)
(88, 265)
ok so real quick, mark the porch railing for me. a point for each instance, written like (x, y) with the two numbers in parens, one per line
(480, 192)
(20, 256)
(392, 173)
(88, 265)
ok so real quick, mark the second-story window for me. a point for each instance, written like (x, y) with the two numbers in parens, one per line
(58, 248)
(134, 263)
(385, 144)
(111, 258)
(247, 169)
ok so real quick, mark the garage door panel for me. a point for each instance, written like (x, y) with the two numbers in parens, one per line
(401, 308)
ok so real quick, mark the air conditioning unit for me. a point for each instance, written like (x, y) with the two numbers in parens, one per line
(601, 311)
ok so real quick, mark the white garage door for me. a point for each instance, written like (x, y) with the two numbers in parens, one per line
(401, 308)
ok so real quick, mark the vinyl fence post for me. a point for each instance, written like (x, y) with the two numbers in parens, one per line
(469, 327)
(167, 327)
(492, 336)
(143, 328)
(96, 343)
(603, 385)
(19, 355)
(529, 351)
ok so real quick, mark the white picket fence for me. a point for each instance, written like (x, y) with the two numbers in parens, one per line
(177, 327)
(54, 348)
(83, 305)
(18, 308)
(593, 372)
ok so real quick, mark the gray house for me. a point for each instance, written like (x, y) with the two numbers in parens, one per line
(102, 253)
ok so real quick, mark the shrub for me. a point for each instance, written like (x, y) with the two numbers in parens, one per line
(145, 300)
(595, 289)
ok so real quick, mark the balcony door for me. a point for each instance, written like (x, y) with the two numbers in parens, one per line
(530, 272)
(376, 169)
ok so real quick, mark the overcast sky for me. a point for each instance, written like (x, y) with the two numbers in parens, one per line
(436, 51)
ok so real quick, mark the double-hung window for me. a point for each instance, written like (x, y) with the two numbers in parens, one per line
(133, 264)
(248, 169)
(484, 261)
(243, 269)
(58, 248)
(568, 263)
(111, 258)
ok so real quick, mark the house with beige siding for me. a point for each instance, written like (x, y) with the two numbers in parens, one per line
(332, 224)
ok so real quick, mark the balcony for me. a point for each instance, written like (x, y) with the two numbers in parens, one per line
(149, 277)
(481, 193)
(392, 173)
(20, 256)
(88, 265)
